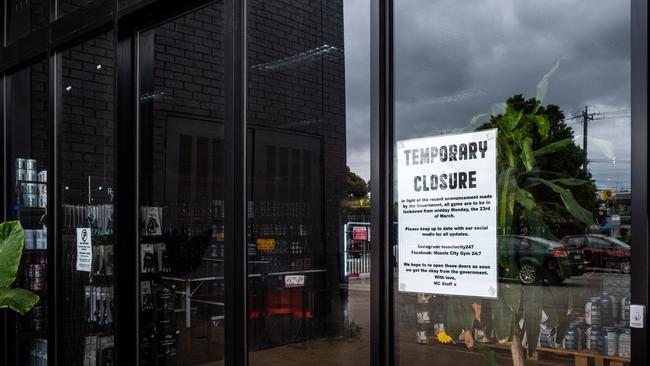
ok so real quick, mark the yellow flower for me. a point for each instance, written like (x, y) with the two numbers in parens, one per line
(442, 337)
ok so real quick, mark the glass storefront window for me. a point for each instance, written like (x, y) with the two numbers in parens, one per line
(28, 165)
(537, 237)
(85, 81)
(308, 221)
(25, 16)
(181, 239)
(65, 7)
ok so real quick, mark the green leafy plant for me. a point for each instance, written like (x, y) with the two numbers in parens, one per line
(525, 203)
(12, 239)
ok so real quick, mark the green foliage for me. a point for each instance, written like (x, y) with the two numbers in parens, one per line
(488, 353)
(540, 184)
(12, 238)
(460, 316)
(356, 187)
(540, 175)
(356, 203)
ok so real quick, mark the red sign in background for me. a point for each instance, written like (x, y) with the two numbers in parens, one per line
(359, 233)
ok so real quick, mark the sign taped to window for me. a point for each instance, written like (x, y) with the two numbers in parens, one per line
(447, 232)
(84, 250)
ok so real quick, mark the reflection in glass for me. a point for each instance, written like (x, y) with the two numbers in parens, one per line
(65, 7)
(87, 128)
(563, 186)
(308, 223)
(28, 154)
(181, 241)
(25, 16)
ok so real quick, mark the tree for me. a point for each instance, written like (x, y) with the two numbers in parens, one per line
(565, 160)
(538, 174)
(357, 199)
(356, 187)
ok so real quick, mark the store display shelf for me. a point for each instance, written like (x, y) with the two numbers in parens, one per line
(580, 357)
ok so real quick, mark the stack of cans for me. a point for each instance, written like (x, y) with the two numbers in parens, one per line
(607, 329)
(32, 183)
(42, 188)
(36, 238)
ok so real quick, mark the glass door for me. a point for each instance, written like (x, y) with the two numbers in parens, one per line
(85, 79)
(513, 182)
(28, 163)
(181, 238)
(308, 222)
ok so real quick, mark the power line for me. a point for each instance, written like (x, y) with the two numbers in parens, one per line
(585, 126)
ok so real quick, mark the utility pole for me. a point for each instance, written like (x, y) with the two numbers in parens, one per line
(585, 123)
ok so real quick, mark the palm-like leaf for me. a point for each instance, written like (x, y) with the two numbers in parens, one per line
(17, 299)
(12, 239)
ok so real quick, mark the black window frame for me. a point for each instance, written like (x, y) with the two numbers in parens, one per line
(101, 15)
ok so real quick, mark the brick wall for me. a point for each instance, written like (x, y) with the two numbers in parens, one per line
(86, 128)
(87, 119)
(296, 83)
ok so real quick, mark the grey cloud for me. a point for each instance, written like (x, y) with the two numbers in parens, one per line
(453, 59)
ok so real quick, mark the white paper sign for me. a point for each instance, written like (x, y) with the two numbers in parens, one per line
(294, 281)
(84, 250)
(447, 196)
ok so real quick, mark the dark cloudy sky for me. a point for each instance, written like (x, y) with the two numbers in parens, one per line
(454, 59)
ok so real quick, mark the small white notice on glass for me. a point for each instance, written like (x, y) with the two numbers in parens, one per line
(447, 197)
(294, 281)
(84, 250)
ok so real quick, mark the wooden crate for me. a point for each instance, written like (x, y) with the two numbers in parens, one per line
(582, 357)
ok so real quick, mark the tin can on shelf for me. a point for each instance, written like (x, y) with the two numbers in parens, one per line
(38, 270)
(31, 175)
(40, 239)
(42, 201)
(422, 336)
(36, 283)
(625, 309)
(21, 164)
(571, 338)
(581, 328)
(595, 312)
(21, 175)
(29, 239)
(31, 164)
(42, 176)
(594, 338)
(30, 200)
(423, 317)
(605, 308)
(610, 341)
(624, 343)
(29, 188)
